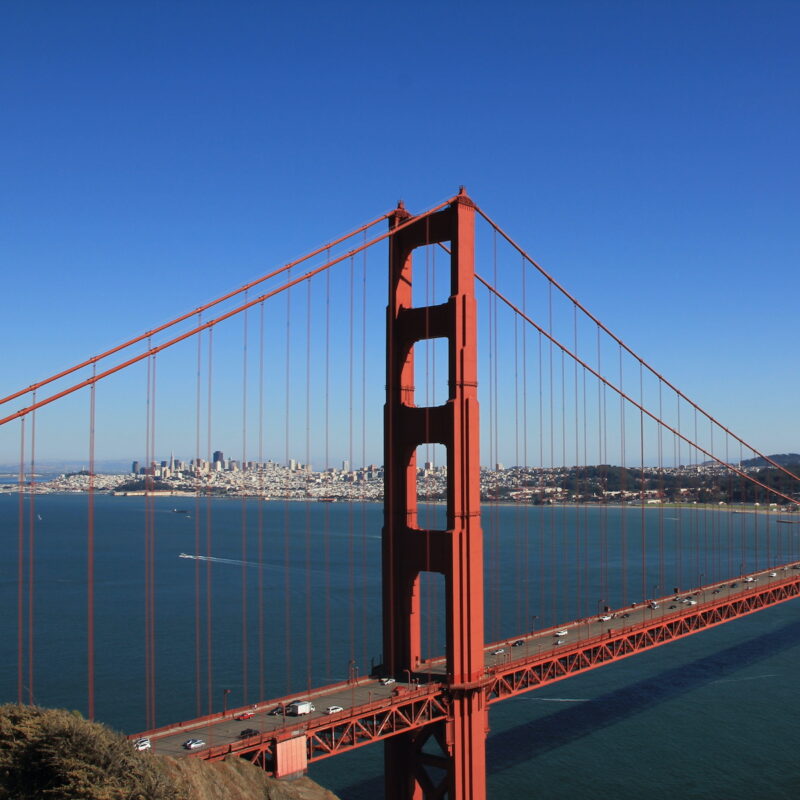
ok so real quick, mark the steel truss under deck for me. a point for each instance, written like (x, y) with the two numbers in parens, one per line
(520, 676)
(424, 706)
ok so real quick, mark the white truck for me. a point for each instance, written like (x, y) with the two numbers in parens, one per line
(299, 707)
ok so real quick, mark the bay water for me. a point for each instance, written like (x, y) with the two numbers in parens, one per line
(295, 603)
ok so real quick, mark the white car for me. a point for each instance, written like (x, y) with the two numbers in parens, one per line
(562, 632)
(605, 618)
(333, 709)
(773, 574)
(194, 744)
(387, 681)
(142, 743)
(749, 579)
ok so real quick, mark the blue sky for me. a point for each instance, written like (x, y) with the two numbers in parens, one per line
(154, 155)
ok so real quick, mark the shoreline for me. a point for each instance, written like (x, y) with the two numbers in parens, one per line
(184, 493)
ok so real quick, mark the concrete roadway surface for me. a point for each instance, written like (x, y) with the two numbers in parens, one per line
(618, 620)
(228, 729)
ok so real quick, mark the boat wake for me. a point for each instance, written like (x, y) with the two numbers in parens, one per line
(217, 560)
(750, 678)
(559, 699)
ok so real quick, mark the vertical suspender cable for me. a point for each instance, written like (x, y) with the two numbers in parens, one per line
(90, 559)
(350, 534)
(602, 472)
(261, 649)
(209, 530)
(541, 526)
(695, 515)
(307, 532)
(495, 425)
(198, 678)
(578, 474)
(21, 566)
(642, 486)
(431, 596)
(554, 576)
(148, 485)
(518, 561)
(728, 516)
(679, 535)
(602, 413)
(287, 620)
(526, 554)
(364, 599)
(583, 612)
(712, 548)
(623, 486)
(562, 513)
(245, 649)
(660, 432)
(327, 545)
(31, 552)
(492, 460)
(152, 570)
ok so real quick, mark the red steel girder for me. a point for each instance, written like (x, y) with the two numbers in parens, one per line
(327, 736)
(417, 715)
(523, 675)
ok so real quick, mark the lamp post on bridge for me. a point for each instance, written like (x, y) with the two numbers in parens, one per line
(701, 586)
(225, 693)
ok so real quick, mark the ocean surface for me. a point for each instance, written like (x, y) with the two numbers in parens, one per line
(295, 591)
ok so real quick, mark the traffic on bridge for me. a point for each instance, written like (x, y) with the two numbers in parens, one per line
(348, 715)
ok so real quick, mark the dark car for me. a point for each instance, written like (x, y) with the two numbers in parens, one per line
(276, 712)
(518, 643)
(248, 732)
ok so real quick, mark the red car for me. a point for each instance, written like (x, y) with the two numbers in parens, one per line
(245, 715)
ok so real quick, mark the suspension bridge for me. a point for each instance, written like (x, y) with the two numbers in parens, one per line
(630, 515)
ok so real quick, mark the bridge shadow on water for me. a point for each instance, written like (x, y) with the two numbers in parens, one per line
(524, 742)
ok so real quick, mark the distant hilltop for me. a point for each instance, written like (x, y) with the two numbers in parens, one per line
(784, 459)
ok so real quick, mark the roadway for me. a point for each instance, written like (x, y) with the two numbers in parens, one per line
(218, 729)
(223, 729)
(547, 641)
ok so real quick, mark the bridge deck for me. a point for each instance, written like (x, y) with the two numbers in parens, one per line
(372, 711)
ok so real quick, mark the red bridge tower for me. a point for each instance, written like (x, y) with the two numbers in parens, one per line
(443, 759)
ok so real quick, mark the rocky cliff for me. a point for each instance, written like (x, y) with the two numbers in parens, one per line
(57, 754)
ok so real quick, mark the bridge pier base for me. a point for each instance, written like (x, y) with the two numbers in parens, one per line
(291, 757)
